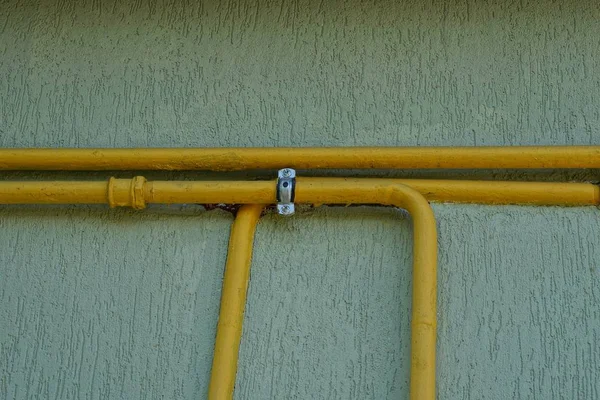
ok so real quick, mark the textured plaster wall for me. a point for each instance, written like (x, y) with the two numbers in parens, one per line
(122, 304)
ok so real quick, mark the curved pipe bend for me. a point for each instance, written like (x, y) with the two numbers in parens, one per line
(424, 292)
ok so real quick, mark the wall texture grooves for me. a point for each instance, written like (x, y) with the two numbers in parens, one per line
(116, 304)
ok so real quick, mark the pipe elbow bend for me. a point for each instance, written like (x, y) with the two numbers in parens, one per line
(411, 200)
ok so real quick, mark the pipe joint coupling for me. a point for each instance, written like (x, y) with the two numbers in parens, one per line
(127, 192)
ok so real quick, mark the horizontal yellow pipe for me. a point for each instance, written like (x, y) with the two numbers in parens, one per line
(229, 159)
(476, 192)
(211, 192)
(233, 301)
(53, 192)
(137, 192)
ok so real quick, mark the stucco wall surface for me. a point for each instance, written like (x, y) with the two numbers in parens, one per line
(122, 304)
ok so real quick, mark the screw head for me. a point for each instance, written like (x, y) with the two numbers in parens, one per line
(285, 209)
(286, 172)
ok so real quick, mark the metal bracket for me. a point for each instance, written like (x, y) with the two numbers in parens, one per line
(286, 188)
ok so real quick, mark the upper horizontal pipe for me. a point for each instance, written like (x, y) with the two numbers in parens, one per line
(231, 159)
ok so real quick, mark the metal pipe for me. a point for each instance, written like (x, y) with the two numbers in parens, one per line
(230, 159)
(210, 192)
(137, 192)
(53, 192)
(423, 319)
(484, 192)
(233, 301)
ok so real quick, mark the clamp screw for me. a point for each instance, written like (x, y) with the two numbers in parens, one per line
(286, 172)
(284, 209)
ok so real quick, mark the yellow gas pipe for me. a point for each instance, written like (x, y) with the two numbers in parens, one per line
(424, 294)
(229, 159)
(233, 302)
(423, 331)
(137, 192)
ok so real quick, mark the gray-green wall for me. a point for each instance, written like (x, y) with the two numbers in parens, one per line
(101, 304)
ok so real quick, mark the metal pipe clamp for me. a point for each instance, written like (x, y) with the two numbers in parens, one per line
(286, 188)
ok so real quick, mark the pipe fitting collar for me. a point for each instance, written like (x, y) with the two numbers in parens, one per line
(127, 192)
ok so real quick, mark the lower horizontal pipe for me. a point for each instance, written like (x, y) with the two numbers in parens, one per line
(212, 192)
(474, 192)
(138, 192)
(52, 192)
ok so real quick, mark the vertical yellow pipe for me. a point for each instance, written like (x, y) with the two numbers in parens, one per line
(424, 294)
(233, 301)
